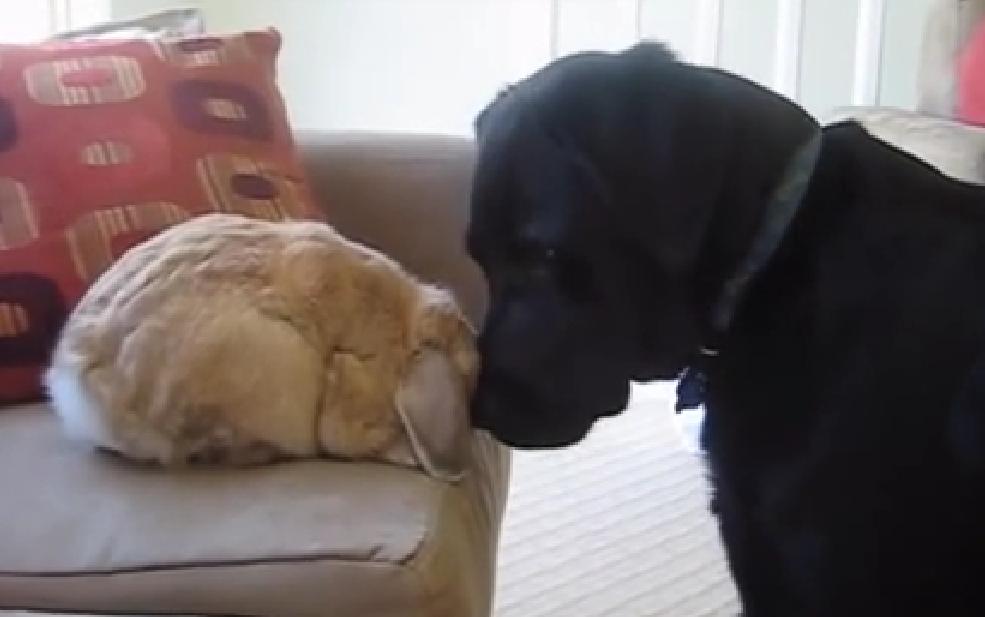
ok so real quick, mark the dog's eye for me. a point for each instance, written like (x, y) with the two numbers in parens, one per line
(539, 263)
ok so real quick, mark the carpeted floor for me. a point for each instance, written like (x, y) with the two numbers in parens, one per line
(615, 527)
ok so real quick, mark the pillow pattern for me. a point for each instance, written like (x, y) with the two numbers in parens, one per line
(103, 143)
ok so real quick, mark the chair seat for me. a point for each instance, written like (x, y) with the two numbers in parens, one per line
(84, 532)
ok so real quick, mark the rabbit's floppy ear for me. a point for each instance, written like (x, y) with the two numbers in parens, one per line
(432, 402)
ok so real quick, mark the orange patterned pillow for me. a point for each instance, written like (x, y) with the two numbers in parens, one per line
(104, 143)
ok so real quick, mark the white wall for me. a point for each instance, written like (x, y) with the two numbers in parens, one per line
(24, 21)
(900, 50)
(593, 24)
(420, 65)
(748, 38)
(430, 65)
(674, 23)
(828, 58)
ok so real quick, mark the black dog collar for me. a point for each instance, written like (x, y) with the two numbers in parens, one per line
(780, 212)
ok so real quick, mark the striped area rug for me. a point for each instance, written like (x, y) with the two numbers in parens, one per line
(617, 526)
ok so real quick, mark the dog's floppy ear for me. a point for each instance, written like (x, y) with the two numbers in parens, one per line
(432, 402)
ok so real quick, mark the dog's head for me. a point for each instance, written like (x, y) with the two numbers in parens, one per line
(613, 195)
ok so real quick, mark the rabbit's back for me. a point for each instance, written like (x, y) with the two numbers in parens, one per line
(212, 340)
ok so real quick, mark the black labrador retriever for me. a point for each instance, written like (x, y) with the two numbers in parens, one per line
(637, 216)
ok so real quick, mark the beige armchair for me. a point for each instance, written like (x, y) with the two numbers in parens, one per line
(930, 132)
(83, 533)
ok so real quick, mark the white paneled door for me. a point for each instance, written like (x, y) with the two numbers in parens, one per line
(429, 65)
(823, 53)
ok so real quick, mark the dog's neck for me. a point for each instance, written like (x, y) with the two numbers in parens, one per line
(778, 214)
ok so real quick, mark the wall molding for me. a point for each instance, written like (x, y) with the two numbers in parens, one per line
(708, 32)
(789, 52)
(869, 37)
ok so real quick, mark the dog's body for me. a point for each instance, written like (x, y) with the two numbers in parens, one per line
(844, 432)
(846, 402)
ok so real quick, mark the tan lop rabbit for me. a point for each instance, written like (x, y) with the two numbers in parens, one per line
(232, 340)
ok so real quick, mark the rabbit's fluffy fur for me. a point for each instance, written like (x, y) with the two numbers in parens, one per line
(232, 340)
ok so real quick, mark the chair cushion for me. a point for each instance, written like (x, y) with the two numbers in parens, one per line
(84, 532)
